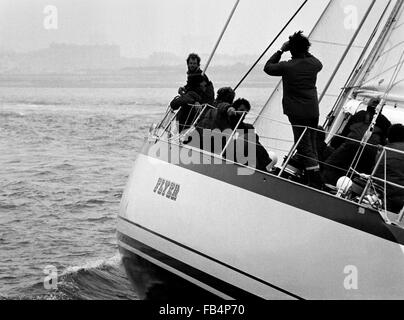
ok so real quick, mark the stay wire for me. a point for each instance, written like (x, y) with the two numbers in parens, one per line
(270, 45)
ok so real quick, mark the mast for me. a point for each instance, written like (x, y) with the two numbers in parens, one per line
(358, 72)
(382, 41)
(358, 79)
(392, 23)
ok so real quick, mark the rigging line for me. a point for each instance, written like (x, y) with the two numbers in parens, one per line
(356, 73)
(385, 183)
(396, 83)
(221, 36)
(398, 27)
(278, 87)
(395, 75)
(333, 95)
(379, 109)
(313, 129)
(348, 48)
(383, 39)
(381, 73)
(275, 139)
(270, 45)
(268, 118)
(390, 49)
(336, 44)
(222, 134)
(325, 164)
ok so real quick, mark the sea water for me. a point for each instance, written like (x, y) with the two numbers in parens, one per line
(65, 156)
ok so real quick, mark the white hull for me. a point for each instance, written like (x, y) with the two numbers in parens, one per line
(261, 246)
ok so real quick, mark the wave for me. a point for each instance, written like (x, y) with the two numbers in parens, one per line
(153, 104)
(86, 101)
(12, 114)
(94, 264)
(91, 203)
(102, 279)
(8, 206)
(100, 219)
(34, 103)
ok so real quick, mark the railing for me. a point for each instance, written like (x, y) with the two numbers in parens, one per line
(380, 186)
(393, 192)
(368, 189)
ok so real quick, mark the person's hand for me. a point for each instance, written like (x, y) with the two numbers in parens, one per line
(285, 47)
(231, 111)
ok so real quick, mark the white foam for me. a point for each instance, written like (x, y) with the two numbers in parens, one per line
(94, 264)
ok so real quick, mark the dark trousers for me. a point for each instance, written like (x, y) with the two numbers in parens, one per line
(307, 148)
(338, 164)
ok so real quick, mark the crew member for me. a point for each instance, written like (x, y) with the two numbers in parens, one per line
(347, 151)
(220, 122)
(394, 169)
(300, 99)
(186, 102)
(194, 70)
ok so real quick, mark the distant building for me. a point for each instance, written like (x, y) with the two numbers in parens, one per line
(61, 58)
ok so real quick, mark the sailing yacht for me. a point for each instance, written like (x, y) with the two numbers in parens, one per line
(266, 235)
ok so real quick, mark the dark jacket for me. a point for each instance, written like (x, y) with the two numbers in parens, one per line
(299, 76)
(261, 155)
(217, 119)
(206, 97)
(395, 174)
(185, 100)
(210, 120)
(358, 125)
(187, 114)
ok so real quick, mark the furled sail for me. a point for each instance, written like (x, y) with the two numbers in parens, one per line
(337, 28)
(386, 75)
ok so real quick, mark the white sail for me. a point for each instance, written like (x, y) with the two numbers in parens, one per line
(330, 40)
(387, 74)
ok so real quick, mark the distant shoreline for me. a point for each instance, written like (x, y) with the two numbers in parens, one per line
(153, 77)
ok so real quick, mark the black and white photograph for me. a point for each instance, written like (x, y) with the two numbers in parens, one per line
(201, 151)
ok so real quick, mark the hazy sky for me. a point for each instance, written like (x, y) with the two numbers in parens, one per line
(141, 27)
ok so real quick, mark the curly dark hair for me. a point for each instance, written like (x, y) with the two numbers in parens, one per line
(299, 43)
(396, 133)
(194, 56)
(226, 94)
(239, 102)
